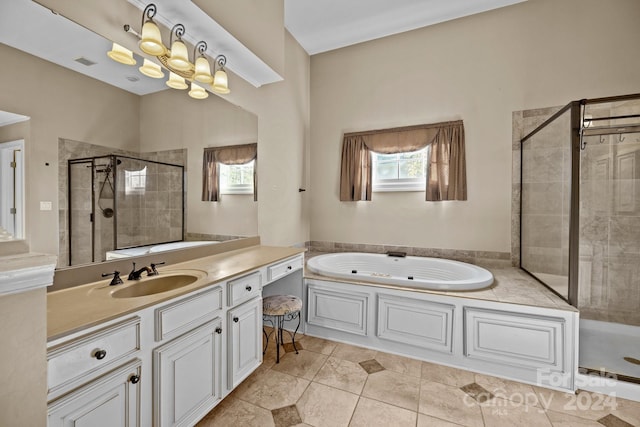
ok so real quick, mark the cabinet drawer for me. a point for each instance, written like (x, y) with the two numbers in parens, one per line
(75, 362)
(182, 316)
(244, 288)
(281, 269)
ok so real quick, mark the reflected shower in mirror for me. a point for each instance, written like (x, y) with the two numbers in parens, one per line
(97, 107)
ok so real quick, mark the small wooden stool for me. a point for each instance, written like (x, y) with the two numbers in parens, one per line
(280, 308)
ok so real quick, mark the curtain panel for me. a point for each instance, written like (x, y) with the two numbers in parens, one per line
(447, 177)
(229, 155)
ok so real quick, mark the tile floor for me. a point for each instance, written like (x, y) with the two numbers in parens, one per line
(333, 384)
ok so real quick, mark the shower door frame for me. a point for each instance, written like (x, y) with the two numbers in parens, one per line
(577, 111)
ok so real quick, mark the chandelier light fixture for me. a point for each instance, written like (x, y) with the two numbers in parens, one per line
(175, 60)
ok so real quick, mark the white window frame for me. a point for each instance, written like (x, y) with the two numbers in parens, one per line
(244, 188)
(139, 175)
(399, 184)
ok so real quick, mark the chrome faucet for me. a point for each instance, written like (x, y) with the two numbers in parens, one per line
(136, 275)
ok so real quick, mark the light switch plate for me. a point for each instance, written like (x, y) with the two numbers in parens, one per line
(45, 206)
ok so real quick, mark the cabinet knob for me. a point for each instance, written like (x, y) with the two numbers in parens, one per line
(100, 354)
(218, 330)
(289, 267)
(133, 379)
(235, 319)
(248, 288)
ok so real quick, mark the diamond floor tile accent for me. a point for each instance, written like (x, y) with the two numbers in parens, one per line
(479, 393)
(371, 366)
(613, 421)
(289, 348)
(286, 417)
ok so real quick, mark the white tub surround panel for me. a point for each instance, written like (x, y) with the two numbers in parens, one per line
(535, 345)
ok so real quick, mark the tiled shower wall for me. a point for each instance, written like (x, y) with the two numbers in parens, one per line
(139, 218)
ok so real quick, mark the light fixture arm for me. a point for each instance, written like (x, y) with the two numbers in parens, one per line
(149, 11)
(178, 30)
(200, 47)
(221, 61)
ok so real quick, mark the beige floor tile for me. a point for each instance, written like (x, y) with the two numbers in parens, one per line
(449, 403)
(371, 413)
(305, 364)
(321, 406)
(560, 419)
(510, 390)
(628, 411)
(272, 389)
(318, 345)
(235, 412)
(400, 364)
(353, 353)
(342, 374)
(393, 388)
(446, 375)
(427, 421)
(507, 413)
(584, 404)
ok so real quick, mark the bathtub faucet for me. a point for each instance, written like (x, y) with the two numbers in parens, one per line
(397, 254)
(136, 275)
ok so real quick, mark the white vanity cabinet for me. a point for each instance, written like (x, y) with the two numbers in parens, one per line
(187, 381)
(111, 400)
(244, 338)
(163, 365)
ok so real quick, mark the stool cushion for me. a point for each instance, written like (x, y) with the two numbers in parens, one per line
(279, 305)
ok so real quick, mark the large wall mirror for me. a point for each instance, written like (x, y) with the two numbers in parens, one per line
(128, 149)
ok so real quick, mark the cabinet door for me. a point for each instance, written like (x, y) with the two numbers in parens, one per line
(245, 341)
(186, 374)
(109, 401)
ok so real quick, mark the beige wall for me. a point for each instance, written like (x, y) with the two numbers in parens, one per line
(170, 119)
(478, 69)
(61, 104)
(257, 24)
(23, 367)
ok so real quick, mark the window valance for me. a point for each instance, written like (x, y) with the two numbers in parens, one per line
(447, 178)
(228, 155)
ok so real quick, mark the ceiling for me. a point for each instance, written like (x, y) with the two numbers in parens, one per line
(324, 25)
(318, 25)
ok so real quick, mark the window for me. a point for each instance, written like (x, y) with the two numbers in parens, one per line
(400, 171)
(236, 179)
(135, 181)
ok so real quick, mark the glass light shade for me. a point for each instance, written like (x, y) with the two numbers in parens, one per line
(197, 92)
(121, 54)
(151, 69)
(220, 82)
(203, 71)
(176, 82)
(150, 41)
(179, 59)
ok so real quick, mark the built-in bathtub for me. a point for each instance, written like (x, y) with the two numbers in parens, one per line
(144, 250)
(409, 271)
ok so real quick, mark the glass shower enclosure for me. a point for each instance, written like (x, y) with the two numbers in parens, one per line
(119, 202)
(580, 224)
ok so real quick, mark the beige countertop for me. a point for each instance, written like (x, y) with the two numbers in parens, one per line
(73, 309)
